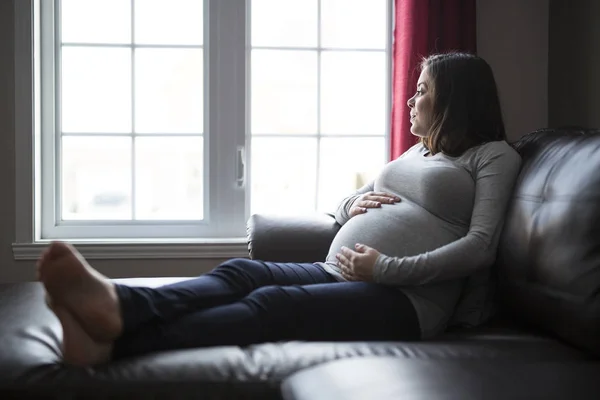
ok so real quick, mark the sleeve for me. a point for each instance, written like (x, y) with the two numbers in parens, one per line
(495, 176)
(342, 214)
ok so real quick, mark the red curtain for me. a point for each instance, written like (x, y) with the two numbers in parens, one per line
(423, 27)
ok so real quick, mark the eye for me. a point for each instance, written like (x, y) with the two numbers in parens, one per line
(419, 92)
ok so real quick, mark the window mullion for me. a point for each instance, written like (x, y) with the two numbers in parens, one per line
(133, 137)
(319, 53)
(226, 114)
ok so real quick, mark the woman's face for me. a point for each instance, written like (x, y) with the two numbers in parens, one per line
(421, 106)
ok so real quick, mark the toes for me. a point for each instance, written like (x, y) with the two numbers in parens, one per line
(58, 250)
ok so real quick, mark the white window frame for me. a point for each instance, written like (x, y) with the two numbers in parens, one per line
(169, 240)
(224, 202)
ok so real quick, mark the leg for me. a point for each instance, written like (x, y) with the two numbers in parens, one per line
(345, 311)
(229, 282)
(92, 302)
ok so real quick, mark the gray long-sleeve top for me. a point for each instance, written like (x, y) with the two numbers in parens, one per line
(445, 228)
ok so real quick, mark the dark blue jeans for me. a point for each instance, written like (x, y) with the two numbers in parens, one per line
(242, 302)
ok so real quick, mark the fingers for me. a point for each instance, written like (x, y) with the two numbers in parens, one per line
(375, 199)
(382, 197)
(348, 253)
(361, 248)
(348, 275)
(372, 200)
(369, 203)
(354, 211)
(346, 267)
(343, 261)
(348, 261)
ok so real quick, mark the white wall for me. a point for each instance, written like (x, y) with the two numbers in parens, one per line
(512, 36)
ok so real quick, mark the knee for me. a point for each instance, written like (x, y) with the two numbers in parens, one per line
(264, 295)
(272, 297)
(268, 291)
(239, 270)
(235, 264)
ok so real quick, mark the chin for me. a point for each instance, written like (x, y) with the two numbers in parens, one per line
(416, 133)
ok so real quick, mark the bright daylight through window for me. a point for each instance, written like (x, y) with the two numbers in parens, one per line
(181, 118)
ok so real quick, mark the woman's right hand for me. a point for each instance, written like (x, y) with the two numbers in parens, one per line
(371, 200)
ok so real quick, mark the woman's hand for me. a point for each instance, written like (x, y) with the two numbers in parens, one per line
(371, 200)
(357, 265)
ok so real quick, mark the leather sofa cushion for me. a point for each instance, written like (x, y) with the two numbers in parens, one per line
(386, 378)
(549, 254)
(30, 355)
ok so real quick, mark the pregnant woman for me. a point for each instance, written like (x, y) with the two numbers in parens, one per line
(395, 270)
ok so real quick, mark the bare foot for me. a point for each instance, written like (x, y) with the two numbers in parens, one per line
(88, 296)
(78, 347)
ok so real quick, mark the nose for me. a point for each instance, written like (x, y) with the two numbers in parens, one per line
(411, 102)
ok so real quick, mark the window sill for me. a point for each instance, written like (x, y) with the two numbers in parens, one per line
(118, 250)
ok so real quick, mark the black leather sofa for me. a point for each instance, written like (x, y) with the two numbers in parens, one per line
(543, 343)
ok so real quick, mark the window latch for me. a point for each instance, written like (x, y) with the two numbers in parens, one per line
(240, 167)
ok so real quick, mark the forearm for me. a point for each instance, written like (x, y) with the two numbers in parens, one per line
(459, 259)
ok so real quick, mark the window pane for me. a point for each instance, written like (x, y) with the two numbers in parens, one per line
(356, 24)
(96, 90)
(290, 23)
(353, 93)
(168, 179)
(96, 178)
(168, 91)
(283, 175)
(345, 166)
(169, 22)
(284, 91)
(86, 21)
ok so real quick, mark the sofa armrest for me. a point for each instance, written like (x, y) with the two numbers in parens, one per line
(290, 239)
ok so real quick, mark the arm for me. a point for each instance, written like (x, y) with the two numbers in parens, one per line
(342, 214)
(494, 181)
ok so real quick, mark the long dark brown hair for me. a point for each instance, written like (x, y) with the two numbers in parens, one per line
(466, 107)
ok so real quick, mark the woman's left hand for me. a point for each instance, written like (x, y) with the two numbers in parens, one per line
(358, 264)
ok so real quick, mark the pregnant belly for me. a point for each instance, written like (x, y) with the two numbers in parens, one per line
(397, 230)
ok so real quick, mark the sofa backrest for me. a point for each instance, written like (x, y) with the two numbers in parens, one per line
(549, 253)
